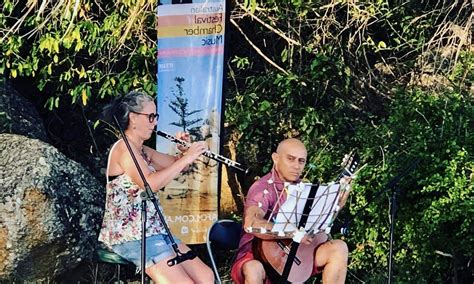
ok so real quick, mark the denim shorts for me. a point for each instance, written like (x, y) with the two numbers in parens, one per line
(158, 247)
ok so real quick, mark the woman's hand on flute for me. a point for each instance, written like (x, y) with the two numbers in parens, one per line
(186, 138)
(195, 150)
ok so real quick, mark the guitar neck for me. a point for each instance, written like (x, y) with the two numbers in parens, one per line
(267, 232)
(280, 234)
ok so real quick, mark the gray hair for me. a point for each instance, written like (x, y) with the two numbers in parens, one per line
(122, 106)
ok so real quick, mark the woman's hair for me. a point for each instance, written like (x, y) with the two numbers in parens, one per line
(121, 107)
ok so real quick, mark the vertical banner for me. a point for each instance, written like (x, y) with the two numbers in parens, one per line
(189, 98)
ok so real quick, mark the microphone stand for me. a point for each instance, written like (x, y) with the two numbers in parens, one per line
(393, 184)
(395, 189)
(148, 195)
(393, 211)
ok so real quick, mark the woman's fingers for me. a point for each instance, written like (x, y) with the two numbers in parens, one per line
(197, 149)
(183, 136)
(202, 146)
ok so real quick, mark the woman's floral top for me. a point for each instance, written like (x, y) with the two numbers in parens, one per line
(122, 217)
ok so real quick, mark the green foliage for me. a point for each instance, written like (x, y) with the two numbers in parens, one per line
(5, 121)
(435, 200)
(78, 52)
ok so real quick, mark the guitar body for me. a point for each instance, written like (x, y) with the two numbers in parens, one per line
(273, 257)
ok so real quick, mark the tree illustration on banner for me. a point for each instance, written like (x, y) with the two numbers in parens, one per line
(180, 107)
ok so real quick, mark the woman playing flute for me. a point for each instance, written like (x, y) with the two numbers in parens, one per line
(121, 227)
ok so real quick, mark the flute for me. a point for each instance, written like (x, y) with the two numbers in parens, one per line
(208, 153)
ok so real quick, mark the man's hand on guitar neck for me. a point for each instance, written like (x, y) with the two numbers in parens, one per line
(346, 187)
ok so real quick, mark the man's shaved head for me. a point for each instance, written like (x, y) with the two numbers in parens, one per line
(289, 159)
(290, 143)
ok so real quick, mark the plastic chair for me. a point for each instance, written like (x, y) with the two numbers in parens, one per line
(224, 234)
(109, 257)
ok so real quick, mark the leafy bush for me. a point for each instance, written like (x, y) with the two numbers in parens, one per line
(433, 240)
(79, 52)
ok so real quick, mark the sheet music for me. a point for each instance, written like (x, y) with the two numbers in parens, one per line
(320, 217)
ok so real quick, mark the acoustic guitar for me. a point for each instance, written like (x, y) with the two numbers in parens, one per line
(274, 253)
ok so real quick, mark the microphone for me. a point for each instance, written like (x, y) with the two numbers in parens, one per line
(181, 257)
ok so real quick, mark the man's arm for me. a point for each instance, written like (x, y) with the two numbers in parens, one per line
(254, 217)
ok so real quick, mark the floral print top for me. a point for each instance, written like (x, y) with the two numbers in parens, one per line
(122, 216)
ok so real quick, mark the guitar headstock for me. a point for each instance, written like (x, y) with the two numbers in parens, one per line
(350, 164)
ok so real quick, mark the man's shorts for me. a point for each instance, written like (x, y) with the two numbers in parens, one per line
(236, 272)
(158, 247)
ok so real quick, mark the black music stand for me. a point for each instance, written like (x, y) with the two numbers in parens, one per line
(301, 224)
(352, 162)
(393, 185)
(309, 207)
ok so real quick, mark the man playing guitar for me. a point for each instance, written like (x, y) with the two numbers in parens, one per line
(263, 201)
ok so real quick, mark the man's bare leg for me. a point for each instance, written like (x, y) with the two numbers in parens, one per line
(333, 256)
(253, 272)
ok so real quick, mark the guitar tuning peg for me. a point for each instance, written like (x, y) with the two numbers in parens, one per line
(344, 160)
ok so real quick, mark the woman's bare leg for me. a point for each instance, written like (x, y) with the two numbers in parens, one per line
(189, 271)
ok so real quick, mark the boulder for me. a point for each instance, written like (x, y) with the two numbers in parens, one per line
(18, 115)
(50, 211)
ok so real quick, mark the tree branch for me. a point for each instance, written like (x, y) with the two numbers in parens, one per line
(275, 30)
(258, 49)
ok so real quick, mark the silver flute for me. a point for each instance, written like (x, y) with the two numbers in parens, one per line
(209, 154)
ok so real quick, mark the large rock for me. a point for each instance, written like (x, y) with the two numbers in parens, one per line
(50, 210)
(18, 115)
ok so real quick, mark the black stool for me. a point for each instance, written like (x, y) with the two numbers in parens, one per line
(109, 257)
